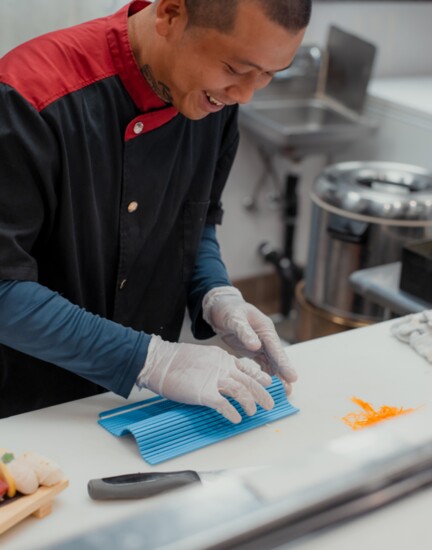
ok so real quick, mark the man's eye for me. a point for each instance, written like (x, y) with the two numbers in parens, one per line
(231, 70)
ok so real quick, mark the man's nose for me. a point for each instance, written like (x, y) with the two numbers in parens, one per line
(241, 93)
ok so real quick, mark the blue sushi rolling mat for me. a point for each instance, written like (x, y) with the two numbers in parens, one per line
(165, 429)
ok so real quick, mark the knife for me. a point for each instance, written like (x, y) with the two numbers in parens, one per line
(148, 484)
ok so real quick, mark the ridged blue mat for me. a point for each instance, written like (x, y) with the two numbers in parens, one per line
(165, 429)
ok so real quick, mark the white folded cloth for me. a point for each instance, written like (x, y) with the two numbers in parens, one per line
(416, 330)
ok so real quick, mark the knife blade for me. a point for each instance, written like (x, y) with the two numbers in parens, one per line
(148, 484)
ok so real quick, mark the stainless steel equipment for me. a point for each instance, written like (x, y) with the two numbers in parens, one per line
(363, 214)
(314, 106)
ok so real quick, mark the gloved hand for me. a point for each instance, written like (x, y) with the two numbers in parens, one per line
(416, 330)
(248, 332)
(202, 375)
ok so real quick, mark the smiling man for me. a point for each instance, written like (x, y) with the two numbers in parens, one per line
(202, 56)
(116, 140)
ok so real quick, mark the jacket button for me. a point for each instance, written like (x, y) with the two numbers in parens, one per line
(132, 206)
(138, 127)
(122, 284)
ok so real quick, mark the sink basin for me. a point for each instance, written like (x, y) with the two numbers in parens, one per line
(314, 107)
(297, 127)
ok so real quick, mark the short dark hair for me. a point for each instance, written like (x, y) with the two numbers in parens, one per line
(293, 15)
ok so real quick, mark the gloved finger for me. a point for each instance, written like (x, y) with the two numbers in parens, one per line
(262, 359)
(224, 407)
(287, 387)
(253, 390)
(238, 347)
(286, 373)
(268, 368)
(252, 369)
(278, 358)
(231, 388)
(240, 327)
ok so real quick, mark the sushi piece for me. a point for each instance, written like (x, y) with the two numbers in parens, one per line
(4, 487)
(7, 477)
(24, 476)
(47, 471)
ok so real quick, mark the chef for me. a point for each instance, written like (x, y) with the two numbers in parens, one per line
(116, 140)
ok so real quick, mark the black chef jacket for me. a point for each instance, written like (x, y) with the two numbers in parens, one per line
(105, 189)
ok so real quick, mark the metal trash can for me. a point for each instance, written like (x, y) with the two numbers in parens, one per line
(363, 214)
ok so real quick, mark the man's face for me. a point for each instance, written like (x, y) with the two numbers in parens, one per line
(208, 69)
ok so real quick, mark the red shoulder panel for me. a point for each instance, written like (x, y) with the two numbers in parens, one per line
(67, 60)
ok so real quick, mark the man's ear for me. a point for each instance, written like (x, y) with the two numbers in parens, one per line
(169, 15)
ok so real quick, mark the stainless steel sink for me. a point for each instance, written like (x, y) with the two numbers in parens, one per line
(314, 107)
(297, 127)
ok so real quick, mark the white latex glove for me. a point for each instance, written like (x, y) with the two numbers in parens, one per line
(248, 332)
(416, 330)
(203, 375)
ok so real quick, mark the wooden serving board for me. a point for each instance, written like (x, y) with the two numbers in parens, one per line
(39, 504)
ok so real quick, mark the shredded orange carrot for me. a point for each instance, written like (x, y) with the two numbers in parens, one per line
(370, 416)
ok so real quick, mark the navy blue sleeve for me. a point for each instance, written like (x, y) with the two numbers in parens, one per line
(41, 323)
(210, 272)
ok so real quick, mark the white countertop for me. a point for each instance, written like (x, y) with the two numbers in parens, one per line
(411, 92)
(367, 363)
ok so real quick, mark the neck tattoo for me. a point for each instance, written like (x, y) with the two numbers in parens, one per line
(160, 89)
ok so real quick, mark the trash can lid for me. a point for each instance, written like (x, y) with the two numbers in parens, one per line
(388, 192)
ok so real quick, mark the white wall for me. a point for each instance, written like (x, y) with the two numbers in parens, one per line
(25, 19)
(401, 30)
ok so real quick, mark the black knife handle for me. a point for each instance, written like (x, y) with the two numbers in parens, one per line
(139, 485)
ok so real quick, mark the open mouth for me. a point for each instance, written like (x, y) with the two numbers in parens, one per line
(214, 101)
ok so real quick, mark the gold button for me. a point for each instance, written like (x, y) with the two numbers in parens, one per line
(138, 128)
(132, 206)
(122, 284)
